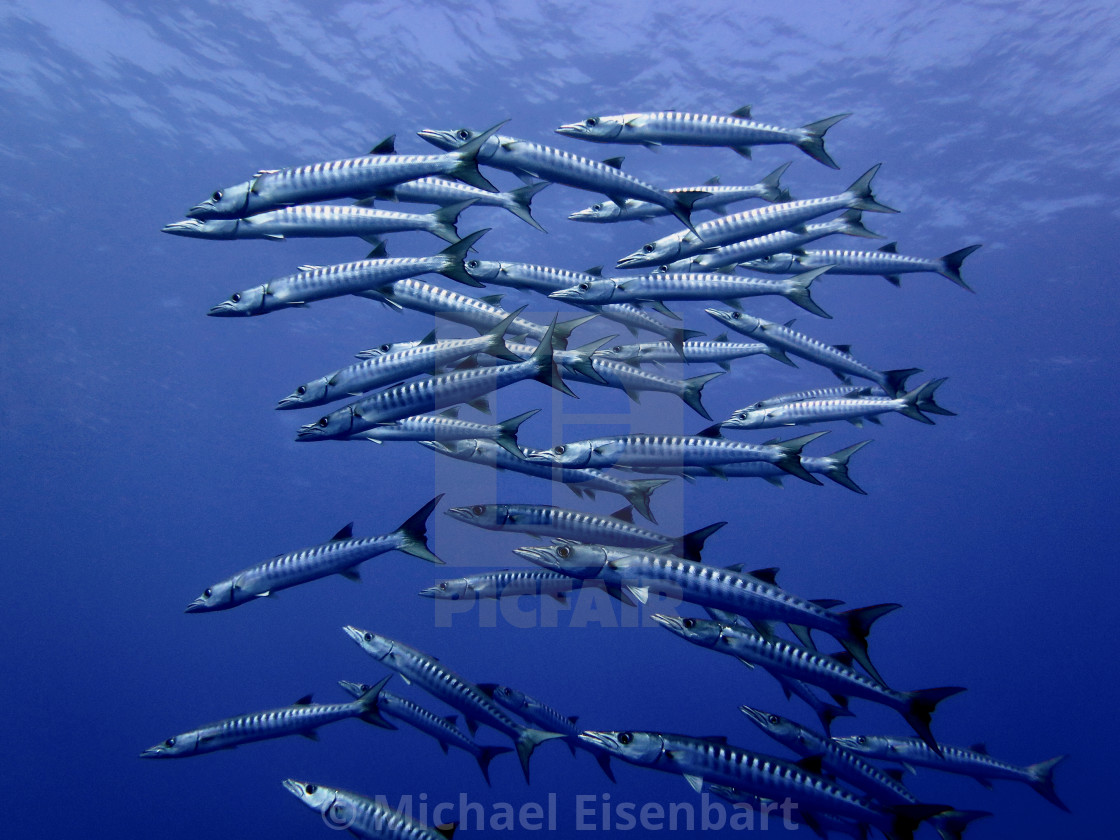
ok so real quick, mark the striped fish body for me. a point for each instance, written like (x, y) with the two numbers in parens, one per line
(534, 712)
(812, 411)
(443, 192)
(317, 220)
(677, 128)
(362, 817)
(416, 716)
(887, 263)
(695, 351)
(643, 451)
(431, 427)
(916, 752)
(502, 584)
(662, 286)
(717, 198)
(831, 393)
(551, 521)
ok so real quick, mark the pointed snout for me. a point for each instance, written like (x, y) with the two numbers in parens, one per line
(154, 752)
(442, 139)
(294, 787)
(290, 401)
(224, 310)
(354, 633)
(197, 605)
(670, 622)
(598, 739)
(570, 129)
(566, 294)
(186, 227)
(755, 715)
(635, 260)
(540, 556)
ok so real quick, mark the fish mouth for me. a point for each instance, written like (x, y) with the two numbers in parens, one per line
(719, 314)
(157, 751)
(463, 514)
(598, 739)
(847, 741)
(195, 606)
(354, 633)
(225, 310)
(570, 130)
(541, 458)
(294, 787)
(186, 227)
(200, 211)
(758, 717)
(638, 260)
(291, 401)
(540, 556)
(582, 216)
(565, 294)
(441, 138)
(669, 622)
(430, 592)
(311, 431)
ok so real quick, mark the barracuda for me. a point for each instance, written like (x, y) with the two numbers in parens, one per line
(359, 178)
(717, 198)
(545, 279)
(707, 450)
(323, 220)
(536, 160)
(389, 368)
(436, 392)
(505, 583)
(834, 467)
(444, 192)
(974, 762)
(740, 253)
(832, 673)
(718, 351)
(448, 426)
(302, 718)
(754, 223)
(539, 714)
(443, 729)
(341, 556)
(705, 761)
(550, 521)
(580, 482)
(885, 261)
(362, 817)
(316, 282)
(836, 358)
(446, 685)
(662, 286)
(852, 409)
(710, 586)
(676, 128)
(830, 393)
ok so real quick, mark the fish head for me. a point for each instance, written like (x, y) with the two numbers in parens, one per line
(334, 425)
(774, 264)
(228, 203)
(696, 630)
(248, 302)
(313, 393)
(659, 251)
(736, 320)
(587, 291)
(597, 129)
(376, 646)
(173, 747)
(484, 271)
(571, 455)
(203, 228)
(641, 748)
(387, 348)
(316, 797)
(220, 596)
(746, 418)
(689, 265)
(567, 557)
(778, 727)
(604, 211)
(450, 590)
(450, 139)
(870, 745)
(510, 698)
(481, 516)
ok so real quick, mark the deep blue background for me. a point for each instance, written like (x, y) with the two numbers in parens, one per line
(143, 461)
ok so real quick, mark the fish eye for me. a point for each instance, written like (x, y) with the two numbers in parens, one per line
(563, 551)
(443, 587)
(368, 637)
(617, 348)
(235, 297)
(583, 287)
(323, 422)
(597, 207)
(773, 719)
(478, 510)
(648, 248)
(472, 264)
(310, 788)
(507, 691)
(736, 315)
(625, 738)
(590, 122)
(689, 623)
(463, 134)
(170, 742)
(301, 390)
(207, 593)
(384, 348)
(861, 740)
(217, 196)
(560, 450)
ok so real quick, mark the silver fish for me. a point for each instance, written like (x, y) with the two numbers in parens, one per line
(341, 556)
(443, 192)
(852, 409)
(718, 351)
(364, 818)
(447, 426)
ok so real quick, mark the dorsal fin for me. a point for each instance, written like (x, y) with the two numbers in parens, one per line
(430, 338)
(710, 432)
(743, 113)
(447, 829)
(843, 657)
(768, 575)
(386, 146)
(344, 533)
(303, 701)
(492, 300)
(890, 248)
(452, 412)
(811, 764)
(379, 252)
(594, 271)
(722, 337)
(826, 603)
(712, 182)
(625, 513)
(979, 748)
(790, 322)
(843, 348)
(615, 162)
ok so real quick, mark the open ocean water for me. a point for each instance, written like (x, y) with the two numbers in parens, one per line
(142, 459)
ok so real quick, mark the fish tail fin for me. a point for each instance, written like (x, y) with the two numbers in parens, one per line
(563, 330)
(863, 197)
(682, 206)
(638, 492)
(813, 143)
(907, 818)
(691, 544)
(919, 710)
(926, 402)
(951, 824)
(546, 368)
(692, 390)
(950, 266)
(496, 339)
(445, 219)
(837, 468)
(790, 460)
(467, 168)
(528, 741)
(370, 711)
(799, 291)
(894, 381)
(827, 713)
(773, 191)
(1042, 779)
(678, 337)
(412, 535)
(485, 756)
(582, 360)
(507, 433)
(859, 626)
(454, 256)
(852, 225)
(520, 201)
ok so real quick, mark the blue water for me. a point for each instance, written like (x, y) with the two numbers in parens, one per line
(143, 460)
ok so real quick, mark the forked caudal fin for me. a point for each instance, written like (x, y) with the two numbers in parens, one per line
(859, 626)
(813, 143)
(919, 710)
(638, 492)
(691, 544)
(467, 168)
(837, 469)
(798, 291)
(951, 266)
(521, 200)
(790, 461)
(454, 256)
(691, 393)
(528, 741)
(864, 199)
(367, 702)
(412, 535)
(485, 756)
(951, 824)
(1042, 775)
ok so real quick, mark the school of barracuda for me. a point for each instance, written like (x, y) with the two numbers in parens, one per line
(414, 390)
